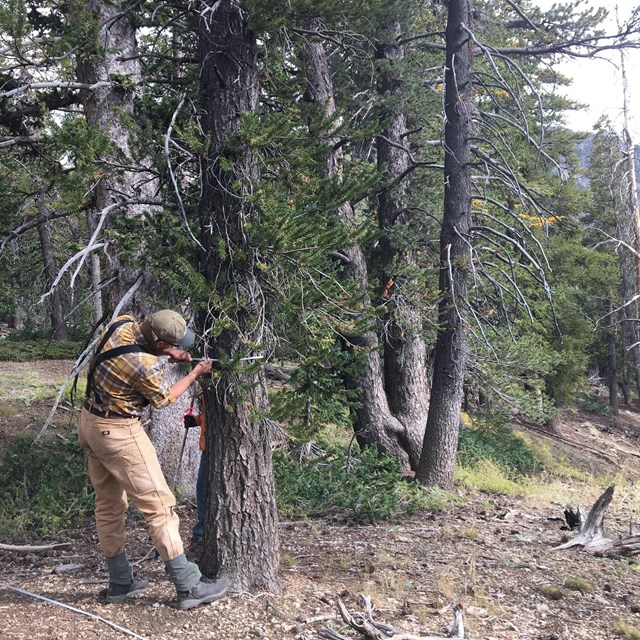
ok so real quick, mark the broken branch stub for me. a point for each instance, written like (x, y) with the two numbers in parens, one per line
(591, 537)
(591, 532)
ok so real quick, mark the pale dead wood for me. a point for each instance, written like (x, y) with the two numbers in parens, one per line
(625, 547)
(66, 568)
(150, 554)
(29, 548)
(360, 623)
(331, 634)
(591, 536)
(365, 625)
(591, 532)
(368, 613)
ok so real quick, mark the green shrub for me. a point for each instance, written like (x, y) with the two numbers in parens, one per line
(488, 477)
(44, 487)
(38, 349)
(593, 404)
(364, 486)
(552, 592)
(491, 439)
(626, 630)
(577, 584)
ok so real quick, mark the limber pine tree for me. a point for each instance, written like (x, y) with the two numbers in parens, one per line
(406, 365)
(390, 378)
(29, 173)
(464, 148)
(127, 187)
(375, 423)
(612, 229)
(108, 174)
(241, 535)
(58, 322)
(441, 435)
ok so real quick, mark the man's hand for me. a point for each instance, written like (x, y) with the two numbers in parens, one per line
(178, 388)
(203, 367)
(177, 355)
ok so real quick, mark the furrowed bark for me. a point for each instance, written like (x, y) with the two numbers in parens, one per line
(58, 324)
(241, 536)
(441, 436)
(405, 352)
(375, 424)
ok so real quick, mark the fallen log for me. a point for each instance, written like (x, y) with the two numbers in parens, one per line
(624, 548)
(583, 446)
(29, 548)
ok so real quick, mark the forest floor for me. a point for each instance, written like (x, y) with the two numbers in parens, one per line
(493, 556)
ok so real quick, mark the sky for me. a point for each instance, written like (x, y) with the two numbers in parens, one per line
(598, 83)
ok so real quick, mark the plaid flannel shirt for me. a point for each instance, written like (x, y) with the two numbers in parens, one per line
(128, 382)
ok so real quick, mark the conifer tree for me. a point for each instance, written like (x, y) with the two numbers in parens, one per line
(611, 230)
(487, 148)
(241, 534)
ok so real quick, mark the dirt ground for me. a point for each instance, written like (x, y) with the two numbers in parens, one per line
(494, 557)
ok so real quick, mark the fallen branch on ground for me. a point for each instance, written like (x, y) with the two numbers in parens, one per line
(66, 606)
(365, 624)
(29, 548)
(578, 445)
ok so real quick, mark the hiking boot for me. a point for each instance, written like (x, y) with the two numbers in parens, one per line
(207, 590)
(117, 593)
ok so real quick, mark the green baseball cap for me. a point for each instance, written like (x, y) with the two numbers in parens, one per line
(169, 326)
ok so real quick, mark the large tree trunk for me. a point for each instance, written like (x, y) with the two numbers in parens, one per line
(58, 323)
(634, 208)
(241, 534)
(405, 352)
(108, 107)
(166, 430)
(375, 424)
(627, 293)
(438, 457)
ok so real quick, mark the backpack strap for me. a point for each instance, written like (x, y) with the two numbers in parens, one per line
(107, 355)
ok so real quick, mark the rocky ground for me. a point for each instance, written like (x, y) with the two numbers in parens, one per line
(494, 557)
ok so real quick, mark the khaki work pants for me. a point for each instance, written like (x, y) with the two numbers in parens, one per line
(123, 462)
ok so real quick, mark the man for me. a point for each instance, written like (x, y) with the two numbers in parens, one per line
(124, 376)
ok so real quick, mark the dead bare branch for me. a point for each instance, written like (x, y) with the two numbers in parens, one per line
(66, 606)
(30, 86)
(31, 548)
(368, 627)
